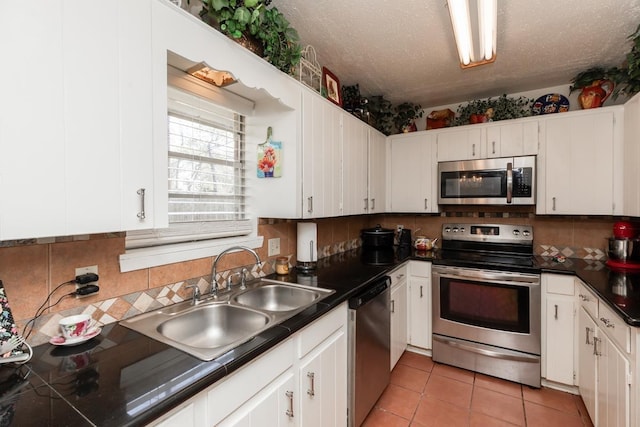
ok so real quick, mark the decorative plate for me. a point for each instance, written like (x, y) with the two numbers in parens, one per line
(550, 103)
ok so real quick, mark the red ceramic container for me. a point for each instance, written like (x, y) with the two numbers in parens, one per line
(624, 230)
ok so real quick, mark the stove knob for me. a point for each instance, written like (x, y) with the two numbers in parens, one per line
(526, 233)
(447, 229)
(462, 229)
(455, 229)
(516, 232)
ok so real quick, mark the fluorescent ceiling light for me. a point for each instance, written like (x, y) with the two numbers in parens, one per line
(474, 26)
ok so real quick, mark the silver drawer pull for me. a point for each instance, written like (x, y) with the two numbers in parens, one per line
(587, 332)
(596, 340)
(608, 323)
(310, 204)
(289, 412)
(420, 291)
(584, 297)
(393, 306)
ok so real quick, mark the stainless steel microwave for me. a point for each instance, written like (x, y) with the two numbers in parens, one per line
(501, 181)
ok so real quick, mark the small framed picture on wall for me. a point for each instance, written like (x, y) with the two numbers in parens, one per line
(331, 87)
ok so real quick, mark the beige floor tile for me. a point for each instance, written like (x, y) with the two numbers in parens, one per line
(498, 405)
(449, 390)
(408, 377)
(436, 413)
(399, 401)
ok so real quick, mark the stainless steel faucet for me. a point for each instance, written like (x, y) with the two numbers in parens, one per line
(214, 283)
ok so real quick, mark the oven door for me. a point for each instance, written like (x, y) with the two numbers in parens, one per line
(502, 181)
(495, 308)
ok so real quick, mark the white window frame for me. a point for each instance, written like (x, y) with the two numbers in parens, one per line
(164, 251)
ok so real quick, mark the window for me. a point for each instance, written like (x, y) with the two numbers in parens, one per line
(206, 166)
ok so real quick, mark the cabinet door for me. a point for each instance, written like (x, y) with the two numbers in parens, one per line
(512, 139)
(272, 406)
(377, 171)
(355, 166)
(398, 321)
(579, 164)
(587, 361)
(321, 150)
(460, 145)
(420, 312)
(560, 336)
(322, 383)
(412, 173)
(613, 389)
(631, 160)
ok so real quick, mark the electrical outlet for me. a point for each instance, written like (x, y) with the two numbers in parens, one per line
(274, 246)
(84, 270)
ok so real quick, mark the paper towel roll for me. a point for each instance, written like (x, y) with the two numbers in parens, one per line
(307, 242)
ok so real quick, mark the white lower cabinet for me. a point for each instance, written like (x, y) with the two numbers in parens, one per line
(605, 380)
(300, 382)
(419, 283)
(558, 328)
(398, 313)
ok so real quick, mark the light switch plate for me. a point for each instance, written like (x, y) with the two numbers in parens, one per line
(274, 246)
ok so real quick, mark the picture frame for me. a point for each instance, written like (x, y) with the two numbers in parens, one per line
(331, 87)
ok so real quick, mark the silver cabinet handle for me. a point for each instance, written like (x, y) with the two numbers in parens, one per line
(310, 204)
(473, 150)
(366, 204)
(289, 412)
(373, 204)
(393, 306)
(426, 204)
(608, 323)
(596, 340)
(556, 314)
(399, 277)
(493, 144)
(312, 391)
(141, 214)
(553, 207)
(587, 338)
(584, 297)
(420, 291)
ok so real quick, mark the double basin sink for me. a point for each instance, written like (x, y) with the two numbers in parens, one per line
(215, 325)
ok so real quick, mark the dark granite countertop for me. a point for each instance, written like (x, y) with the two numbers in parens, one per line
(122, 378)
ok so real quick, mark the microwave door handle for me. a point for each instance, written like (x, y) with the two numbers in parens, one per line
(509, 182)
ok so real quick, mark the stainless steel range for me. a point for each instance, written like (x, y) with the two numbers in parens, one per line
(486, 301)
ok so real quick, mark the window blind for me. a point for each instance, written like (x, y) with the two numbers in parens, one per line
(206, 173)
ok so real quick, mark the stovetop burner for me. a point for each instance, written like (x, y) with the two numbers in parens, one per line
(489, 246)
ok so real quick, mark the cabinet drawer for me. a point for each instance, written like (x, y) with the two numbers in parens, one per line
(560, 284)
(614, 327)
(588, 300)
(420, 268)
(319, 330)
(398, 275)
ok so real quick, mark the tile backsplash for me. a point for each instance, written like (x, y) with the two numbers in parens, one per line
(31, 269)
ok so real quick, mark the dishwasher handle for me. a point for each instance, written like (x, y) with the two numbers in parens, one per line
(370, 292)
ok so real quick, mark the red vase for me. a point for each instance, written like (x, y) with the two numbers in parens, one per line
(594, 96)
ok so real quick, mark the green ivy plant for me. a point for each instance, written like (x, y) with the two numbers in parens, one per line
(243, 18)
(627, 76)
(382, 113)
(405, 114)
(500, 108)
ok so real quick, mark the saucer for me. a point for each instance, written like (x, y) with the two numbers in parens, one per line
(60, 340)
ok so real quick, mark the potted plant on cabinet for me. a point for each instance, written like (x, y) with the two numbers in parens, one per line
(266, 32)
(595, 85)
(405, 115)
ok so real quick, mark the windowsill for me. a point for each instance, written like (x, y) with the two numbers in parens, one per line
(137, 259)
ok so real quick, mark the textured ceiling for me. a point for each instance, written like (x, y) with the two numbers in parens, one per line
(405, 49)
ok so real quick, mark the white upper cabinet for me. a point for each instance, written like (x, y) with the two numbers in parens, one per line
(76, 117)
(322, 157)
(412, 177)
(460, 144)
(632, 157)
(515, 138)
(377, 171)
(580, 166)
(355, 165)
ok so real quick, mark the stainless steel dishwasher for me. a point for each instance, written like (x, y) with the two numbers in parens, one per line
(369, 348)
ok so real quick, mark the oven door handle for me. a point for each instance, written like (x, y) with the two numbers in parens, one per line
(486, 352)
(509, 182)
(488, 275)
